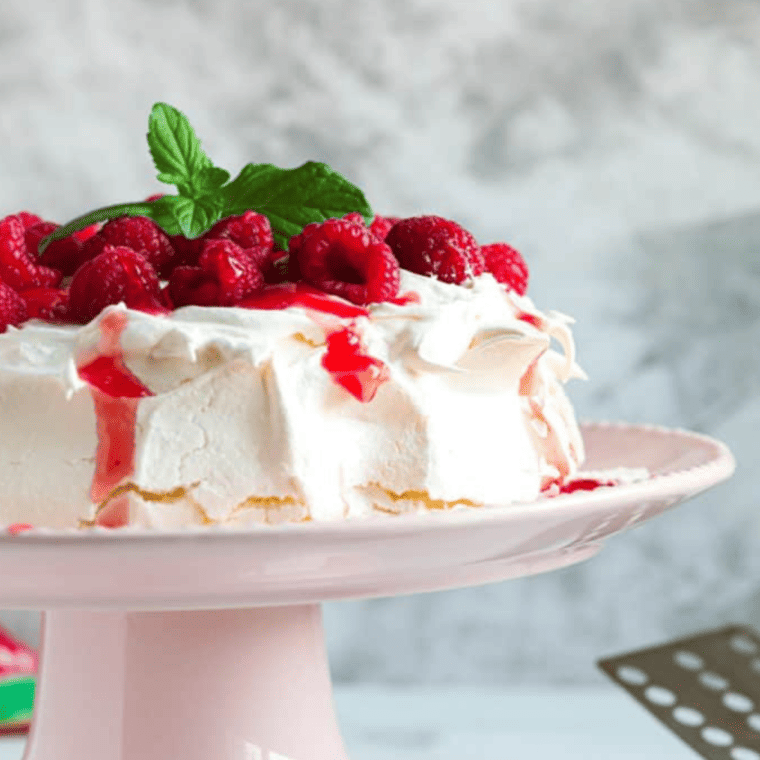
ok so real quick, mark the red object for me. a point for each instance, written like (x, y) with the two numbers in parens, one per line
(341, 257)
(345, 360)
(117, 274)
(143, 236)
(17, 528)
(110, 375)
(300, 294)
(225, 275)
(507, 266)
(381, 226)
(51, 304)
(584, 484)
(531, 319)
(28, 219)
(17, 268)
(432, 245)
(65, 255)
(249, 230)
(12, 307)
(115, 392)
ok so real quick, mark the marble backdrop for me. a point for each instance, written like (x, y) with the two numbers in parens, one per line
(616, 142)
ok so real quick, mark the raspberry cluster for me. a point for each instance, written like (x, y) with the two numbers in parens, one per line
(131, 260)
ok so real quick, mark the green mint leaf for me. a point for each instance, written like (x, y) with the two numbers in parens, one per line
(99, 215)
(293, 198)
(196, 216)
(210, 179)
(174, 147)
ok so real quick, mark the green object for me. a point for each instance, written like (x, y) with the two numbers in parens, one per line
(16, 700)
(289, 198)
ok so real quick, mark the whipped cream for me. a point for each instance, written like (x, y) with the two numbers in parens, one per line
(245, 425)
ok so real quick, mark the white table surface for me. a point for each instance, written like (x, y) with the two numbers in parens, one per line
(600, 723)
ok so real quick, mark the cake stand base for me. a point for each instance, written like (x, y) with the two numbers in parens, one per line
(239, 684)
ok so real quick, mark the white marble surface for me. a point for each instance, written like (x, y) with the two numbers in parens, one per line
(461, 723)
(616, 142)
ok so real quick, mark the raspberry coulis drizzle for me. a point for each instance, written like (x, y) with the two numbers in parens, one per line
(115, 392)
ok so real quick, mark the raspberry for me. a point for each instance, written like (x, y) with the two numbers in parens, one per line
(224, 277)
(355, 217)
(64, 255)
(251, 231)
(28, 219)
(345, 259)
(187, 250)
(431, 245)
(17, 268)
(507, 266)
(381, 226)
(12, 307)
(115, 275)
(50, 304)
(145, 237)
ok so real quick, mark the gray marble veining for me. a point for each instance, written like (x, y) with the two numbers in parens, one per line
(616, 142)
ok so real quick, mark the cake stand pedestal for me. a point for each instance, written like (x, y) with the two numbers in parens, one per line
(208, 644)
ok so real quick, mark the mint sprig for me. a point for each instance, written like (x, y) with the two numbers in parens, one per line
(290, 198)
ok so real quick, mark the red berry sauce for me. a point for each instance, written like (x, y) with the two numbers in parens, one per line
(345, 359)
(584, 484)
(299, 294)
(115, 393)
(17, 528)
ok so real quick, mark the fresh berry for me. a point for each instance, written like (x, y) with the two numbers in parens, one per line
(381, 226)
(191, 286)
(12, 307)
(345, 259)
(28, 219)
(431, 245)
(142, 235)
(277, 270)
(116, 275)
(355, 217)
(507, 266)
(50, 304)
(17, 268)
(65, 255)
(249, 230)
(187, 251)
(224, 276)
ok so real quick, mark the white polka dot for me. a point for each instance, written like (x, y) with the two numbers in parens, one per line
(713, 681)
(7, 657)
(660, 696)
(688, 716)
(738, 702)
(755, 665)
(717, 736)
(743, 645)
(743, 753)
(689, 660)
(631, 675)
(754, 722)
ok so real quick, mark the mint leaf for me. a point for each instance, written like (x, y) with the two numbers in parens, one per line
(196, 216)
(290, 198)
(293, 198)
(175, 149)
(99, 215)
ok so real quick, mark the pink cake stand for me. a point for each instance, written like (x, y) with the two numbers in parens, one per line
(208, 644)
